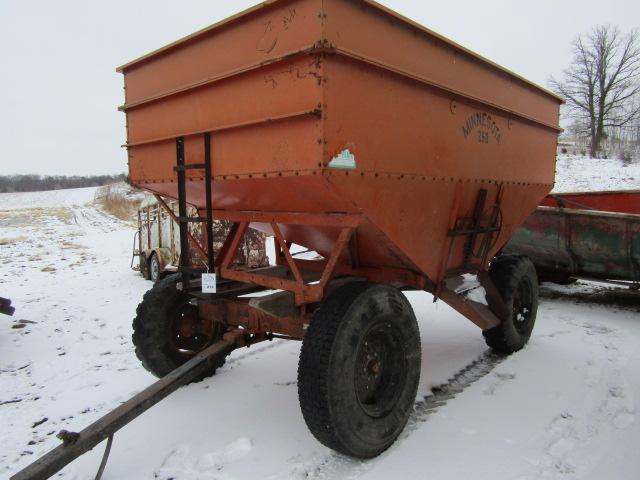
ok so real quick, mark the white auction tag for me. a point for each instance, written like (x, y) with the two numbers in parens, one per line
(208, 283)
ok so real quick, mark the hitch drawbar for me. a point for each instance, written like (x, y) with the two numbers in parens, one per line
(76, 444)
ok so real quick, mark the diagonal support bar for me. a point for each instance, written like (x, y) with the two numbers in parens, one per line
(236, 238)
(287, 254)
(173, 216)
(341, 243)
(222, 253)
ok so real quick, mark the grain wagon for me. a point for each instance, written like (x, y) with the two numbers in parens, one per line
(403, 159)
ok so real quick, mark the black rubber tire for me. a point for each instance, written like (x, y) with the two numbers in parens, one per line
(333, 350)
(515, 278)
(155, 330)
(144, 267)
(154, 268)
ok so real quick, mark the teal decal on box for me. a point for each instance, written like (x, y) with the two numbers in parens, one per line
(345, 159)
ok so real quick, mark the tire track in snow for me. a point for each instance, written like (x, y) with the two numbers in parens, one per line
(91, 218)
(441, 394)
(338, 466)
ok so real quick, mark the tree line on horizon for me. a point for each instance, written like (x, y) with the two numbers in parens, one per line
(38, 183)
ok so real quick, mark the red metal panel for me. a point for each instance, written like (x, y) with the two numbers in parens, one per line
(258, 36)
(274, 149)
(369, 30)
(286, 193)
(289, 86)
(413, 129)
(420, 118)
(411, 152)
(614, 201)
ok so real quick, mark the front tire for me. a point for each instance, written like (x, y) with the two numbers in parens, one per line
(515, 278)
(167, 330)
(359, 369)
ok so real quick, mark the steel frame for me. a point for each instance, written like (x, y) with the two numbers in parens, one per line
(304, 292)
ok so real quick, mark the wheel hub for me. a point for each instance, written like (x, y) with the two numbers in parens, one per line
(380, 369)
(190, 333)
(187, 326)
(522, 306)
(374, 366)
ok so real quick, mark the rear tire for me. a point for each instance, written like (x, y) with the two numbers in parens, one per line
(144, 267)
(167, 330)
(154, 268)
(359, 369)
(515, 278)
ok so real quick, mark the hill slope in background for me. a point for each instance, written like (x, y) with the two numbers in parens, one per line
(39, 183)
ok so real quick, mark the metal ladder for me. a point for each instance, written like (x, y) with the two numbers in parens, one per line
(181, 168)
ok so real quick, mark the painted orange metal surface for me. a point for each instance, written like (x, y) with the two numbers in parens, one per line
(253, 320)
(287, 86)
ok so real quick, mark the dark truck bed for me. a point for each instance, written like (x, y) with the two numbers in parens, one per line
(587, 235)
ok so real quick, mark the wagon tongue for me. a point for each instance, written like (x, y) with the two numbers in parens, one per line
(76, 444)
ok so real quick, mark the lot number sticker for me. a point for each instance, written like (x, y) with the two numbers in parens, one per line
(208, 283)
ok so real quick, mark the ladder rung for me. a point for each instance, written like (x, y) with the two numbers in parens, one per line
(191, 219)
(189, 166)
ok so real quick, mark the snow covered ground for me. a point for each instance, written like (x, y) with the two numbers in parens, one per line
(564, 407)
(575, 173)
(59, 198)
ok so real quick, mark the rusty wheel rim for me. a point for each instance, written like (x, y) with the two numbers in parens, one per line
(154, 269)
(523, 306)
(189, 334)
(380, 369)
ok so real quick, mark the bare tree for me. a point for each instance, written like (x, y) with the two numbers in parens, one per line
(602, 82)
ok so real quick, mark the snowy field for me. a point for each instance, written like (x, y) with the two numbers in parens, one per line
(576, 173)
(564, 407)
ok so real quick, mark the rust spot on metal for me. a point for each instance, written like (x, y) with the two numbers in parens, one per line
(68, 438)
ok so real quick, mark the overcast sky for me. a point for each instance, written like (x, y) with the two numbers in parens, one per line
(59, 91)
